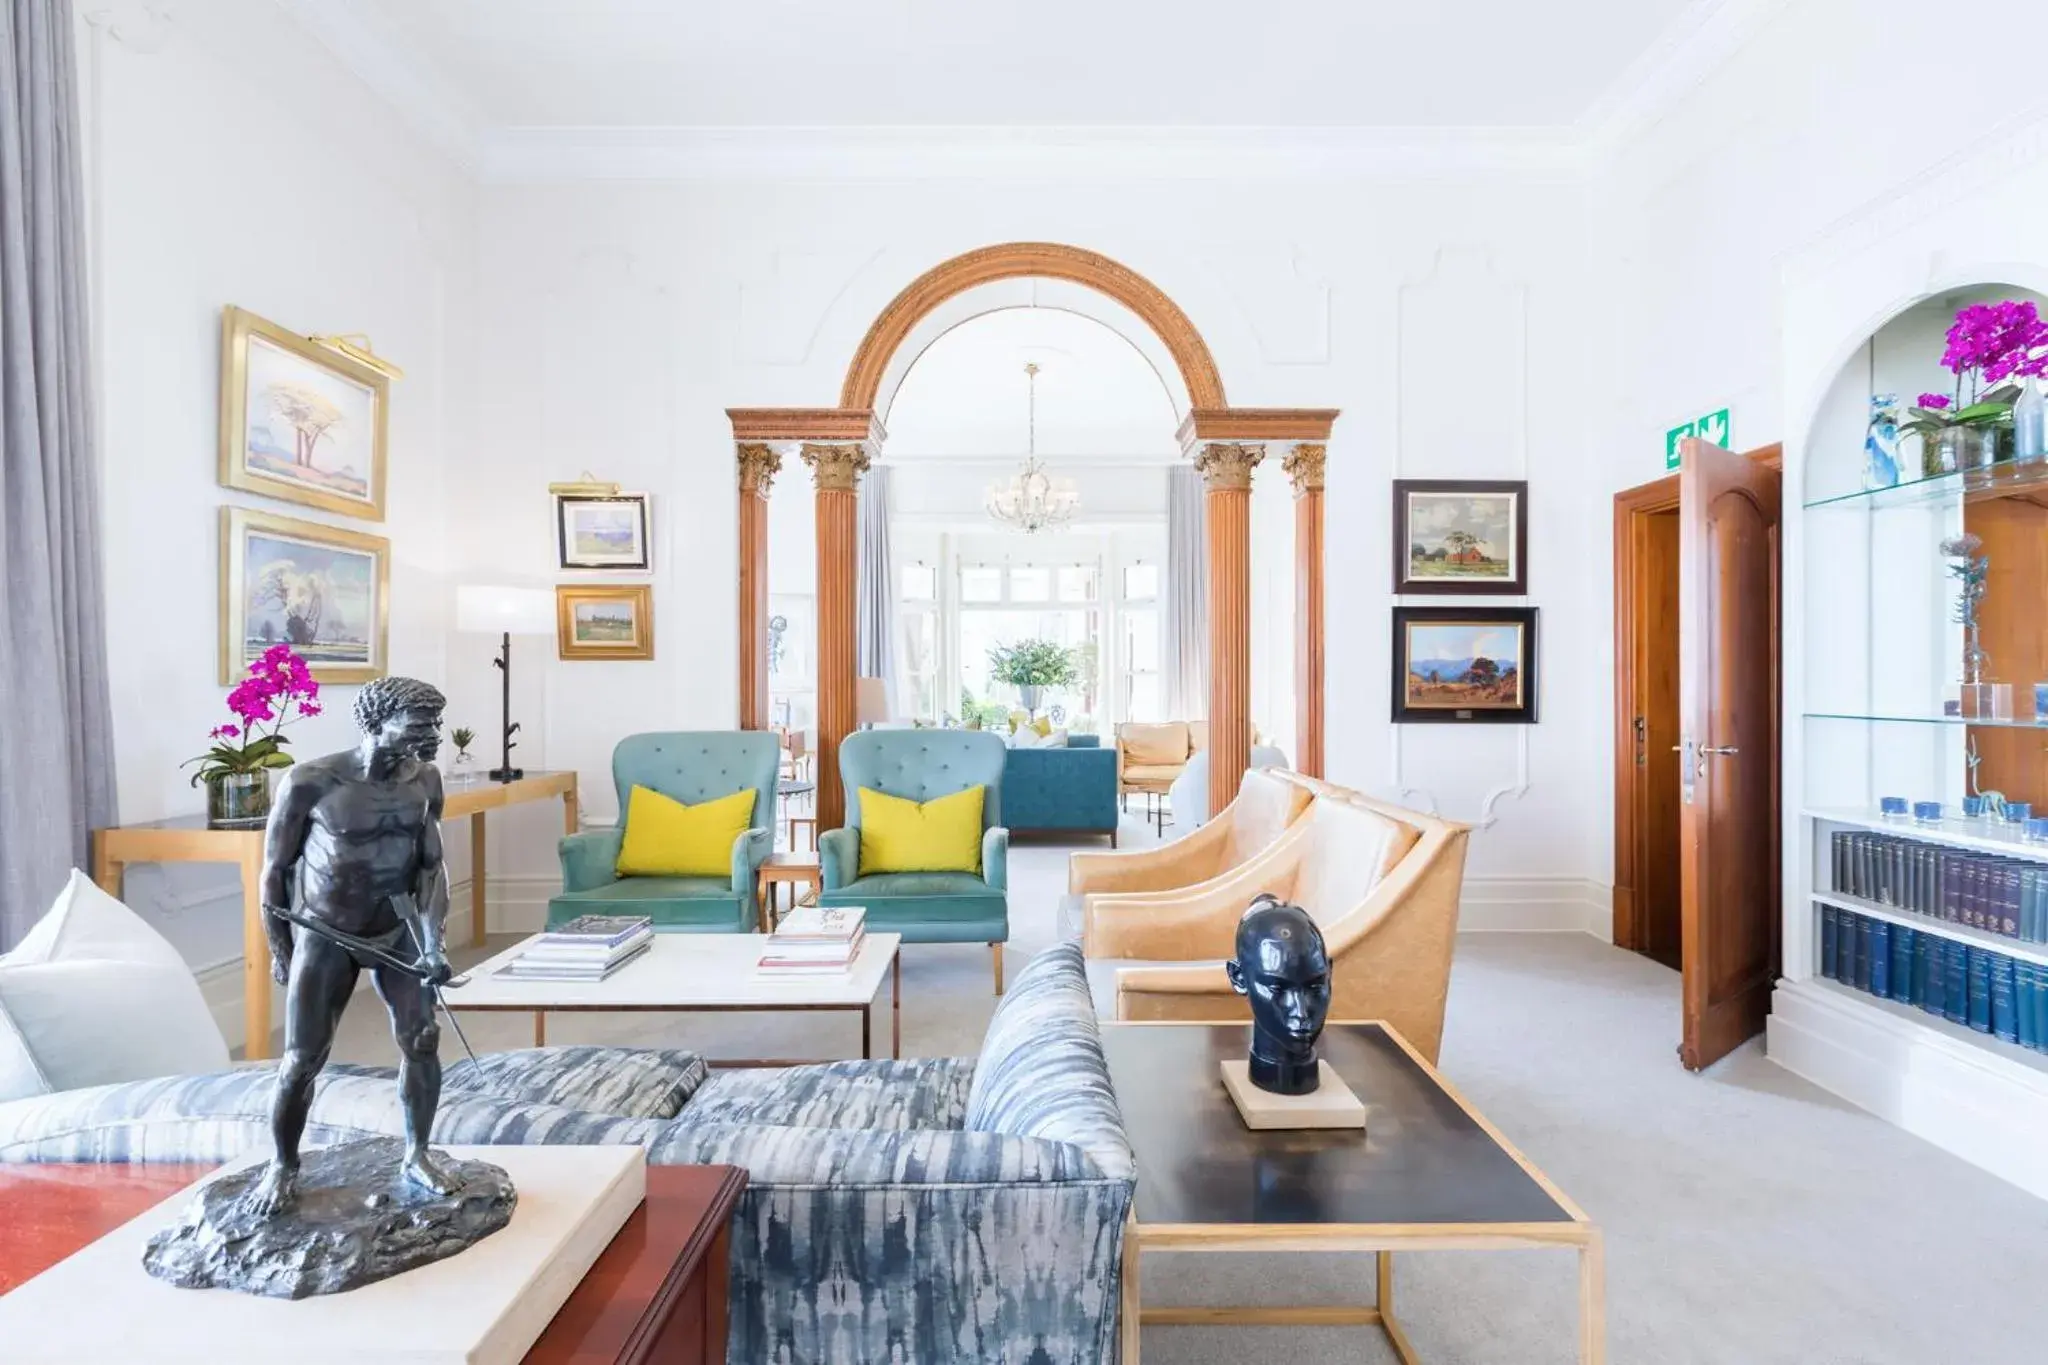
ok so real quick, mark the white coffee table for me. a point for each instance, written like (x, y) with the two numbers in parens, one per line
(684, 973)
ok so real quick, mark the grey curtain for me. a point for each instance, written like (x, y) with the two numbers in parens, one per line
(56, 733)
(1184, 614)
(875, 621)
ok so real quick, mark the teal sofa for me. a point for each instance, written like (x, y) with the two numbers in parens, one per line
(690, 766)
(1062, 790)
(924, 907)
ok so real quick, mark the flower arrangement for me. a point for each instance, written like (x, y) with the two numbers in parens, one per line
(1033, 663)
(1989, 344)
(1970, 570)
(279, 689)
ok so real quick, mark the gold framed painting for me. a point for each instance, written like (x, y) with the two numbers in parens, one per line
(298, 421)
(322, 590)
(604, 621)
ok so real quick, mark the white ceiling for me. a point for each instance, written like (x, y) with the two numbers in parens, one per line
(966, 395)
(493, 65)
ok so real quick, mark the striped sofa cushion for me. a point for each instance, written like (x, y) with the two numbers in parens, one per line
(1041, 1072)
(915, 1093)
(626, 1082)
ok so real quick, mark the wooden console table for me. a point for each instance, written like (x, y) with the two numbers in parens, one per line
(657, 1293)
(188, 840)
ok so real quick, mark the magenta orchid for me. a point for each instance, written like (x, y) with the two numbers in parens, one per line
(1933, 402)
(280, 688)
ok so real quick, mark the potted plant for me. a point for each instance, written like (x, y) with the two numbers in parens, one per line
(465, 766)
(1990, 345)
(236, 770)
(1031, 666)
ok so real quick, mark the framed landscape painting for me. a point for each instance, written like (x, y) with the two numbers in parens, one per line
(604, 621)
(1465, 664)
(602, 532)
(1466, 536)
(298, 421)
(322, 590)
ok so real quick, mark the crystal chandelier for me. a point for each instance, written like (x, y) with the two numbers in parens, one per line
(1032, 499)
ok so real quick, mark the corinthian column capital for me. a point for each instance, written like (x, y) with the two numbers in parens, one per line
(836, 466)
(1228, 464)
(759, 464)
(1304, 465)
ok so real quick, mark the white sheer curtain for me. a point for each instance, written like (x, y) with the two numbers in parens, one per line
(1184, 613)
(875, 622)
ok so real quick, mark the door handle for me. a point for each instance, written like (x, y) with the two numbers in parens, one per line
(1725, 750)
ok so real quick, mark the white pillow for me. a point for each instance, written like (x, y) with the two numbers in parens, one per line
(93, 996)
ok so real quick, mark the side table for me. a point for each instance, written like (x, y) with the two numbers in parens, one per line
(657, 1293)
(792, 870)
(189, 840)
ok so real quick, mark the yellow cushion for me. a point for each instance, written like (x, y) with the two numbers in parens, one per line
(1153, 745)
(939, 835)
(1043, 725)
(1018, 718)
(665, 838)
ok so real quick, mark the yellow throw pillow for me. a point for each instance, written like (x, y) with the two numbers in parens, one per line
(1043, 725)
(1018, 719)
(940, 835)
(665, 838)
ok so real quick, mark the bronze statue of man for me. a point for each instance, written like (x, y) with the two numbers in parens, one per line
(353, 877)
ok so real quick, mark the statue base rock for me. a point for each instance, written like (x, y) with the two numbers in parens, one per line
(357, 1220)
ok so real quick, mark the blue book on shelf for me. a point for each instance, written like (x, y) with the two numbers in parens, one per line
(2004, 1017)
(1828, 929)
(2034, 1006)
(1927, 973)
(1845, 947)
(1861, 967)
(1978, 1007)
(1955, 982)
(1901, 973)
(2023, 1006)
(1881, 958)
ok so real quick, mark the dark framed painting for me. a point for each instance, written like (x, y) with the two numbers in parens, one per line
(602, 532)
(1465, 665)
(1463, 536)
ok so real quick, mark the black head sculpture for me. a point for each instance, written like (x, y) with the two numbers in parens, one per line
(1283, 969)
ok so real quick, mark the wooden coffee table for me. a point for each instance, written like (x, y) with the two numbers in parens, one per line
(1428, 1173)
(658, 1292)
(692, 973)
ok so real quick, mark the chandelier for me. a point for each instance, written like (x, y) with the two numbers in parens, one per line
(1032, 499)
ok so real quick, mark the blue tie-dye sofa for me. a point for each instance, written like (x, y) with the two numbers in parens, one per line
(918, 1212)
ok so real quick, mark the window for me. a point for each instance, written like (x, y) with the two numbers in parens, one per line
(1030, 583)
(981, 583)
(1077, 582)
(1141, 581)
(1005, 607)
(1143, 687)
(919, 582)
(920, 661)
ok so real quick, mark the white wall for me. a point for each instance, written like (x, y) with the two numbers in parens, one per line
(231, 160)
(1452, 334)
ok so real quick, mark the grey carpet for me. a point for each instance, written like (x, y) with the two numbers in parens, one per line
(1750, 1218)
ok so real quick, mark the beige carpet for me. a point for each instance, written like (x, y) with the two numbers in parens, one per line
(1751, 1219)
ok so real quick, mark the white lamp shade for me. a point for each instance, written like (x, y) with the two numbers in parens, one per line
(871, 701)
(503, 611)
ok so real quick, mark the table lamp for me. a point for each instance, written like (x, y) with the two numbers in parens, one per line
(871, 701)
(505, 612)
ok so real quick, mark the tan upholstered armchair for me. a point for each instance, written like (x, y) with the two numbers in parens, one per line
(1382, 882)
(1265, 806)
(1150, 755)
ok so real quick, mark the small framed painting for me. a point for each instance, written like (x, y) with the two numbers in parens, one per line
(322, 590)
(604, 621)
(1465, 536)
(298, 421)
(602, 532)
(1465, 664)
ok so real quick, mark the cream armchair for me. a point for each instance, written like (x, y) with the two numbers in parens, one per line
(1264, 808)
(1381, 881)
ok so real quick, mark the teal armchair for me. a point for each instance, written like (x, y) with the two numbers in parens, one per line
(924, 907)
(690, 766)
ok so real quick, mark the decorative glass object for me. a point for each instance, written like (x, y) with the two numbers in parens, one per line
(1973, 808)
(1881, 442)
(1927, 812)
(2041, 701)
(1970, 570)
(2018, 812)
(1941, 452)
(2030, 422)
(1986, 701)
(2037, 830)
(1892, 807)
(237, 800)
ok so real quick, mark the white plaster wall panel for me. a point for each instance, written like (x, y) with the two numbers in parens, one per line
(1284, 299)
(1464, 376)
(780, 301)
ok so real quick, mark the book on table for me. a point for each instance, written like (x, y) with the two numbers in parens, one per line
(815, 940)
(587, 948)
(530, 966)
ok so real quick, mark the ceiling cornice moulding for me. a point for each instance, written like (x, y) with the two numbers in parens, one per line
(1702, 39)
(382, 61)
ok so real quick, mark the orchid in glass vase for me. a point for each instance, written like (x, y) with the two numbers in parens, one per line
(1993, 348)
(236, 770)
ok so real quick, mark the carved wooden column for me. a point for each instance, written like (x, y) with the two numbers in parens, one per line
(837, 469)
(1226, 470)
(758, 466)
(1304, 465)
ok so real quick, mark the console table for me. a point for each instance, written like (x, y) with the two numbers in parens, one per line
(657, 1293)
(187, 839)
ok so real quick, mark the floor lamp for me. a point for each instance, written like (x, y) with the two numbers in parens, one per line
(505, 612)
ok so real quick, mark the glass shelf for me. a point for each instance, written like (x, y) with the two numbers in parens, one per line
(2011, 723)
(1969, 485)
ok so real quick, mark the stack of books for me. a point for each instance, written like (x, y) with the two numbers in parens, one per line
(815, 940)
(1999, 895)
(587, 948)
(1980, 988)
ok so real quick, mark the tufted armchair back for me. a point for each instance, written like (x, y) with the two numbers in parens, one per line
(921, 764)
(700, 765)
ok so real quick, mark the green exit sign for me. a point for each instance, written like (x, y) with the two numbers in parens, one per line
(1713, 429)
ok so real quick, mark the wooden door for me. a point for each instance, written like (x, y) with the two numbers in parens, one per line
(1728, 762)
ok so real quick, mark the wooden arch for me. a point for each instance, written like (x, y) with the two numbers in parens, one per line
(1046, 260)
